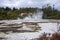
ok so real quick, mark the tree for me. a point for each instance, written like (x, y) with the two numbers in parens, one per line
(7, 9)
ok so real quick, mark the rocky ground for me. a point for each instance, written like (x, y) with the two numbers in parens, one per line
(25, 32)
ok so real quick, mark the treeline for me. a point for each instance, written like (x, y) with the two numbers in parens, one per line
(8, 13)
(50, 12)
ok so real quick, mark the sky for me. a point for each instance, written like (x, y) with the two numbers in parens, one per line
(29, 3)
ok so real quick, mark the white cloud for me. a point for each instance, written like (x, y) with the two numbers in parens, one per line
(28, 3)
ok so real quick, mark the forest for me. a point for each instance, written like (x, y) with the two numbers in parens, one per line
(8, 13)
(49, 12)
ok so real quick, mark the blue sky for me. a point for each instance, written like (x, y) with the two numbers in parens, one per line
(29, 3)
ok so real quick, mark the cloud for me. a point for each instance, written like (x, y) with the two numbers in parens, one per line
(28, 3)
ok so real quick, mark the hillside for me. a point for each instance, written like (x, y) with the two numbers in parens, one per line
(8, 13)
